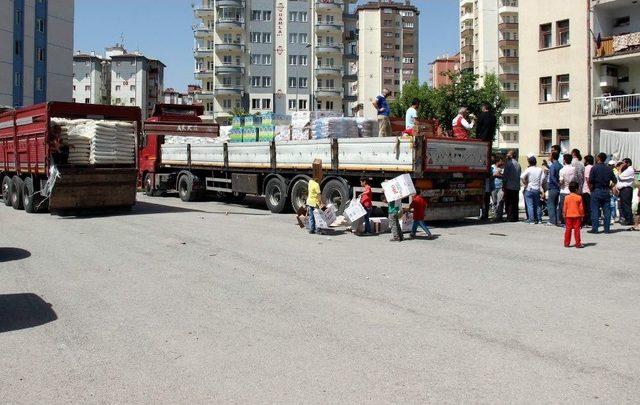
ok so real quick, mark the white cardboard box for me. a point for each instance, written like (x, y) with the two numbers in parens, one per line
(398, 187)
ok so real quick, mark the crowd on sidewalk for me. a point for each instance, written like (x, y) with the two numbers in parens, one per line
(604, 187)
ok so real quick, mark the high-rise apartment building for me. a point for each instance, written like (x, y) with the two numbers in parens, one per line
(266, 55)
(287, 56)
(387, 49)
(554, 66)
(118, 78)
(36, 47)
(439, 69)
(91, 79)
(489, 43)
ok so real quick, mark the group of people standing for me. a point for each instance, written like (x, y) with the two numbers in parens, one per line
(550, 184)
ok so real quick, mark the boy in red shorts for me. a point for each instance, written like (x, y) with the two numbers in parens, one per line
(573, 211)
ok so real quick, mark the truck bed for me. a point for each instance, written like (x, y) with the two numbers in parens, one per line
(348, 154)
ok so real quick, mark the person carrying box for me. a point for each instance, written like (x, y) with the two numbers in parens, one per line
(418, 207)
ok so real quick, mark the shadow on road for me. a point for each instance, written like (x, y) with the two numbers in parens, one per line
(8, 254)
(22, 311)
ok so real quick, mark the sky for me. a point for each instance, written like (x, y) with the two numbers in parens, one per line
(161, 29)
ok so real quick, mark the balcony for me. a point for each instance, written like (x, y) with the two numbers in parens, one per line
(466, 17)
(350, 77)
(619, 46)
(229, 24)
(467, 49)
(230, 3)
(329, 92)
(351, 56)
(229, 90)
(324, 49)
(322, 71)
(509, 77)
(467, 32)
(329, 27)
(466, 3)
(203, 53)
(508, 43)
(612, 106)
(510, 93)
(329, 5)
(202, 32)
(204, 12)
(204, 95)
(227, 69)
(203, 74)
(508, 60)
(230, 48)
(466, 65)
(505, 9)
(505, 26)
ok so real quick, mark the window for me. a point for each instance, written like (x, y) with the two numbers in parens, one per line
(293, 60)
(622, 21)
(40, 24)
(266, 59)
(87, 88)
(18, 47)
(266, 103)
(293, 16)
(302, 82)
(302, 104)
(118, 101)
(292, 104)
(563, 140)
(293, 82)
(132, 87)
(39, 83)
(545, 89)
(255, 37)
(118, 87)
(87, 101)
(545, 36)
(18, 17)
(255, 81)
(266, 37)
(40, 54)
(256, 59)
(132, 100)
(266, 81)
(562, 29)
(546, 140)
(266, 15)
(303, 38)
(563, 87)
(303, 60)
(255, 103)
(256, 15)
(293, 38)
(226, 103)
(329, 105)
(302, 16)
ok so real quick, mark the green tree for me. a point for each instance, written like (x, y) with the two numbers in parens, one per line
(237, 112)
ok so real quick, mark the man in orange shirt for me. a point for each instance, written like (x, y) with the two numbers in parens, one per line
(573, 212)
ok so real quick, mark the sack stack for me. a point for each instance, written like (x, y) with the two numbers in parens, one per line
(72, 135)
(112, 142)
(335, 127)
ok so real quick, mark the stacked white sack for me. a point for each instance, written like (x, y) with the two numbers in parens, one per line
(112, 142)
(334, 127)
(73, 135)
(368, 127)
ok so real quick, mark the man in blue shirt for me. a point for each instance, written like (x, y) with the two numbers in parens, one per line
(382, 107)
(601, 179)
(554, 188)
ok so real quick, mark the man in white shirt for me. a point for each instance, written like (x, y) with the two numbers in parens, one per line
(411, 118)
(532, 179)
(625, 191)
(461, 127)
(567, 175)
(577, 163)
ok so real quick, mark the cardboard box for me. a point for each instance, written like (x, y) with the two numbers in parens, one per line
(406, 222)
(249, 134)
(237, 122)
(325, 218)
(354, 211)
(235, 135)
(267, 133)
(380, 225)
(398, 187)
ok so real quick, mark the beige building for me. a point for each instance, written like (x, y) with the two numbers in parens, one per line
(489, 44)
(554, 66)
(387, 49)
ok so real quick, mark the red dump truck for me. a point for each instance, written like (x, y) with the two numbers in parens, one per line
(450, 172)
(30, 142)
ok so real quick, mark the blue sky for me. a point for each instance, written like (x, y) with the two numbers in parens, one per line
(162, 29)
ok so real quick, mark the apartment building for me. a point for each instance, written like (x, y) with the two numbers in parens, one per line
(554, 66)
(36, 47)
(172, 96)
(615, 55)
(265, 55)
(91, 79)
(489, 43)
(387, 48)
(439, 68)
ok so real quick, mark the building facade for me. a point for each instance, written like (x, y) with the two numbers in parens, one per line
(489, 43)
(91, 79)
(286, 56)
(554, 66)
(172, 96)
(36, 49)
(387, 49)
(439, 68)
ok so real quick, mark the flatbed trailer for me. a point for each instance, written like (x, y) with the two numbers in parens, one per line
(449, 172)
(26, 158)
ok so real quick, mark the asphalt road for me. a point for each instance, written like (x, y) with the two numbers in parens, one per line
(212, 303)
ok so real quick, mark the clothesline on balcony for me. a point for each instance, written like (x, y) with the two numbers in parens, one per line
(622, 42)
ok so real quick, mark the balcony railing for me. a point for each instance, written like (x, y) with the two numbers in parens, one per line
(617, 105)
(619, 45)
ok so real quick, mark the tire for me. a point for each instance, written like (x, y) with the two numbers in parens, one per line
(298, 193)
(336, 192)
(275, 194)
(29, 197)
(185, 188)
(16, 195)
(148, 186)
(7, 190)
(237, 197)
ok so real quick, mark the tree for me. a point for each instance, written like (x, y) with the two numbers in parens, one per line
(237, 112)
(442, 104)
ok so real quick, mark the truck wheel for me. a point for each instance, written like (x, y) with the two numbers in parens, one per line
(237, 197)
(299, 192)
(185, 189)
(16, 195)
(336, 192)
(29, 197)
(276, 195)
(148, 185)
(7, 190)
